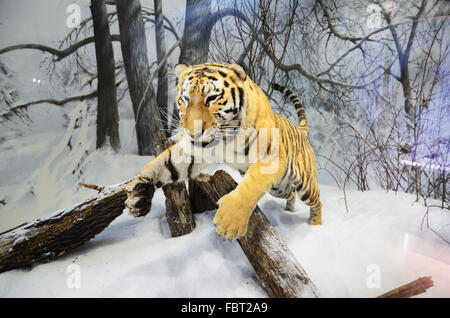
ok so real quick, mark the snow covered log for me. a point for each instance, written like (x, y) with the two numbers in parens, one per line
(278, 270)
(44, 239)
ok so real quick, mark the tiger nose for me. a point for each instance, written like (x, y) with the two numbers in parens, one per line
(197, 129)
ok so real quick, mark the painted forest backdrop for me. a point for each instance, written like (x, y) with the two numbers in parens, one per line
(373, 76)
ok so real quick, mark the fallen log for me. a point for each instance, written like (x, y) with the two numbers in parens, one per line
(414, 288)
(276, 267)
(178, 209)
(44, 239)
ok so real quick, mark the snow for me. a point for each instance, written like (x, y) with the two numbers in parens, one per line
(138, 258)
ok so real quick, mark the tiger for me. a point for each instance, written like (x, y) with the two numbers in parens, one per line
(218, 99)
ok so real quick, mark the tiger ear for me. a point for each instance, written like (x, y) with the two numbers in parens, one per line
(239, 70)
(180, 68)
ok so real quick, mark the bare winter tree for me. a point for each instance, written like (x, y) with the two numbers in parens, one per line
(107, 114)
(162, 90)
(107, 108)
(134, 52)
(80, 66)
(410, 36)
(197, 32)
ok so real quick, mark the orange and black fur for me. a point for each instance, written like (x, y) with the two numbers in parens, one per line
(220, 98)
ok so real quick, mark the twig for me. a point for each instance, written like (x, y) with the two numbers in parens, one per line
(92, 186)
(428, 225)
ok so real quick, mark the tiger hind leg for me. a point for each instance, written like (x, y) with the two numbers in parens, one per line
(311, 197)
(283, 192)
(315, 214)
(290, 202)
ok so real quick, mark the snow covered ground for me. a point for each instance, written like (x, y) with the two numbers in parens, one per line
(379, 238)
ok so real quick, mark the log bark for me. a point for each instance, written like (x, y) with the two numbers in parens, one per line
(414, 288)
(178, 209)
(198, 202)
(45, 239)
(277, 269)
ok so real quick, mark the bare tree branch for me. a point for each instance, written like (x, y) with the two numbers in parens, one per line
(60, 54)
(57, 102)
(278, 62)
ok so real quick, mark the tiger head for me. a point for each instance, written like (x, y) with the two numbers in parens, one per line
(210, 99)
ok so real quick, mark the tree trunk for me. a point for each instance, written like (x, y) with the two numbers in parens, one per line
(134, 52)
(276, 267)
(197, 32)
(107, 109)
(386, 86)
(407, 92)
(161, 94)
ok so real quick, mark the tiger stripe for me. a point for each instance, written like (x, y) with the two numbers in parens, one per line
(296, 101)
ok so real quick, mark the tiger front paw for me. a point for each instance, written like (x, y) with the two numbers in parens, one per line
(232, 217)
(140, 192)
